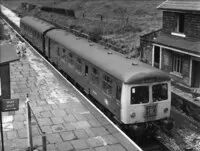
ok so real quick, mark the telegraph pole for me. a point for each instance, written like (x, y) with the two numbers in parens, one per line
(1, 123)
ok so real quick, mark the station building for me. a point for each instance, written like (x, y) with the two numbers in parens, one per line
(175, 48)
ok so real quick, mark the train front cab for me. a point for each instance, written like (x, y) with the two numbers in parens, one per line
(144, 104)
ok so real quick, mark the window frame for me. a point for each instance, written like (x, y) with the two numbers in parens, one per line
(86, 73)
(58, 51)
(79, 64)
(118, 95)
(177, 63)
(153, 90)
(180, 19)
(71, 60)
(138, 102)
(107, 80)
(95, 76)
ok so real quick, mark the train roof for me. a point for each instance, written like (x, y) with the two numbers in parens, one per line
(130, 71)
(36, 23)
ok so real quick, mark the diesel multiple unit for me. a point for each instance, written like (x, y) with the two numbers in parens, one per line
(135, 93)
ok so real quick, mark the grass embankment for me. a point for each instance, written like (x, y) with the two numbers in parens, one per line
(123, 20)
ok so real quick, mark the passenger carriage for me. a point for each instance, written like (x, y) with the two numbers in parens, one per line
(34, 29)
(133, 91)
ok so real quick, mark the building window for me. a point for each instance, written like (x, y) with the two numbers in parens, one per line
(107, 85)
(95, 76)
(177, 63)
(79, 65)
(118, 93)
(180, 23)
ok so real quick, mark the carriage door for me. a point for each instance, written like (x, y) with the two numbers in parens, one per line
(86, 71)
(117, 109)
(156, 56)
(195, 74)
(47, 47)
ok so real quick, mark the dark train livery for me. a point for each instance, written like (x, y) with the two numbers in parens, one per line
(135, 93)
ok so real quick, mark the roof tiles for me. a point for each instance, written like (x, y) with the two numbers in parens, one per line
(7, 53)
(190, 45)
(114, 64)
(183, 5)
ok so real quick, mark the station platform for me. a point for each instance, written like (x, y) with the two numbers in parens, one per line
(69, 121)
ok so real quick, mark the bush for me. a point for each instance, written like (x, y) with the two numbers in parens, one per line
(141, 12)
(96, 34)
(129, 28)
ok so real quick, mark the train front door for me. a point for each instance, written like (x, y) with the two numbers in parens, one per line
(196, 74)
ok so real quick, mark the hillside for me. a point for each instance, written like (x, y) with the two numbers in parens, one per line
(123, 20)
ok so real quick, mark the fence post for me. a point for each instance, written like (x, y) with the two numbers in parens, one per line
(44, 142)
(29, 128)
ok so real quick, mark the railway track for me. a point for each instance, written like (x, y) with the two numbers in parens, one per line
(153, 144)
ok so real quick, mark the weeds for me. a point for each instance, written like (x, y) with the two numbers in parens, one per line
(96, 34)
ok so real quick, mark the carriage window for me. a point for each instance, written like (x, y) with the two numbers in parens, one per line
(118, 92)
(139, 94)
(63, 53)
(95, 76)
(40, 36)
(86, 70)
(70, 59)
(58, 51)
(79, 65)
(160, 92)
(107, 85)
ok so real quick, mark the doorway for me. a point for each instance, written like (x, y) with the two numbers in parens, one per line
(156, 56)
(195, 74)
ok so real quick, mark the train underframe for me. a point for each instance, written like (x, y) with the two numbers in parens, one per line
(142, 131)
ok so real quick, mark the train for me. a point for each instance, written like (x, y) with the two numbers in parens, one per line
(136, 94)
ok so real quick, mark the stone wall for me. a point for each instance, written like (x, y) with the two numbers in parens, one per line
(184, 105)
(167, 66)
(146, 46)
(146, 52)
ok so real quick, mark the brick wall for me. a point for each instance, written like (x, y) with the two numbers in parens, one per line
(191, 25)
(169, 22)
(167, 66)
